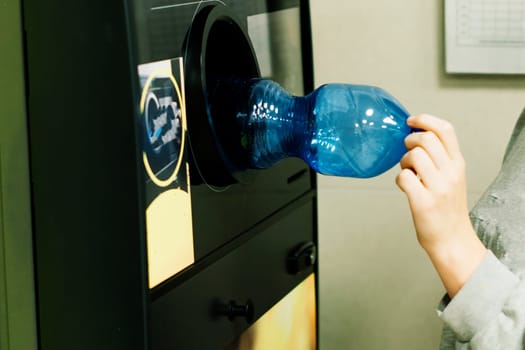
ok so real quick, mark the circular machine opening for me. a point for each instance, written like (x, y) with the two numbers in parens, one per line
(225, 54)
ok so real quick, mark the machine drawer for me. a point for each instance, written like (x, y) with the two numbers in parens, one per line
(213, 307)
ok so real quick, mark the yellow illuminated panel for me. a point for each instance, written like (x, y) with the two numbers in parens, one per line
(162, 128)
(170, 242)
(289, 325)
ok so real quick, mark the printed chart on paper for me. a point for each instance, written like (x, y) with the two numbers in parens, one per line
(484, 22)
(485, 36)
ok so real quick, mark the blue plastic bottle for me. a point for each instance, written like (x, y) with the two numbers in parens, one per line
(338, 129)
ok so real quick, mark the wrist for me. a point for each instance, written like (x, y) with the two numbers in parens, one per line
(456, 259)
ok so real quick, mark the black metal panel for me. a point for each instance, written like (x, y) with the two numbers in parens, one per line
(248, 204)
(164, 23)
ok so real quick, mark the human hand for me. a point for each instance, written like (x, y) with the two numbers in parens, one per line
(433, 179)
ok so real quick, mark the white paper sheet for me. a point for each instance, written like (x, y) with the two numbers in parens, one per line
(485, 36)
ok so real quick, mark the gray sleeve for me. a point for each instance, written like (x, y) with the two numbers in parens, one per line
(489, 311)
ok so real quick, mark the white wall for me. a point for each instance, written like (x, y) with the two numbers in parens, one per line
(377, 288)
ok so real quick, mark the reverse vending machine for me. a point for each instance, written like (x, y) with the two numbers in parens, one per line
(146, 232)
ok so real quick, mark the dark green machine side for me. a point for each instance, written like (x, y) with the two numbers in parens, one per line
(17, 297)
(87, 223)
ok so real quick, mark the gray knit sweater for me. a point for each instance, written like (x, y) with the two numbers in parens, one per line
(488, 313)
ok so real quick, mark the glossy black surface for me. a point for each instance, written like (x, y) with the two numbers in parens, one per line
(216, 196)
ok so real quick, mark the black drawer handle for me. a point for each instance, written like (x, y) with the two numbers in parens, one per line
(232, 310)
(301, 258)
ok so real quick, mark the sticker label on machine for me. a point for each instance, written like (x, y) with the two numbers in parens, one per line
(162, 125)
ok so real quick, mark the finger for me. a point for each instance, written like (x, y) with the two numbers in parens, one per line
(420, 163)
(442, 128)
(431, 144)
(409, 183)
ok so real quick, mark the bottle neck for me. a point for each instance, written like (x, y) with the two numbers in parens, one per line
(274, 124)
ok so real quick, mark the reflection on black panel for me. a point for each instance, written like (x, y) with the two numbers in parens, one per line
(163, 127)
(162, 123)
(222, 214)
